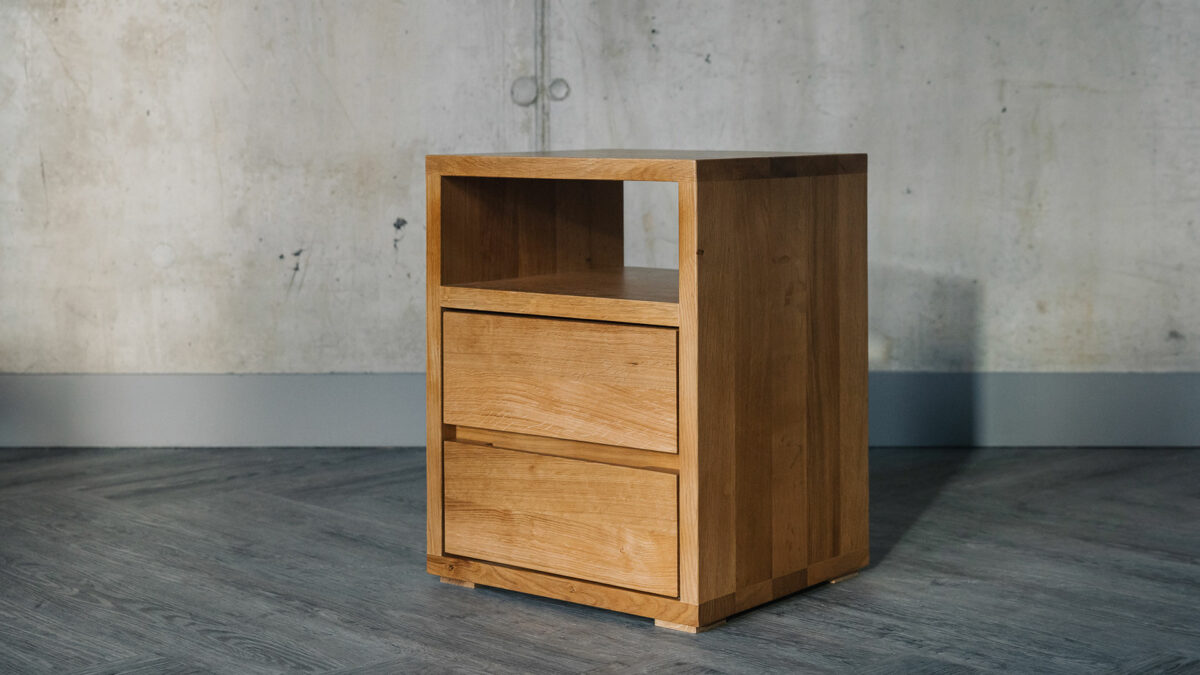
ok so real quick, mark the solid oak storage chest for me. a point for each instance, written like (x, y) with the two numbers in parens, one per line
(677, 444)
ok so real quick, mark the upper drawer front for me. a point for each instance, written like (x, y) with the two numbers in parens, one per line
(602, 383)
(599, 522)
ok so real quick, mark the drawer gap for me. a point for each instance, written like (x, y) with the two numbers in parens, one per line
(649, 460)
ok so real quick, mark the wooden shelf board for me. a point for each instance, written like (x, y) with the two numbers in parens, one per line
(624, 294)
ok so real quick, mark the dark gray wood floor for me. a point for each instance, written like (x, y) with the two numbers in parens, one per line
(312, 560)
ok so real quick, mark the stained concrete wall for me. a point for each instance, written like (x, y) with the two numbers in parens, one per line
(223, 187)
(1034, 166)
(232, 186)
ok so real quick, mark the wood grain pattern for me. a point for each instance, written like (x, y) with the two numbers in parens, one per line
(781, 385)
(596, 382)
(853, 531)
(504, 228)
(621, 294)
(433, 363)
(833, 568)
(562, 306)
(689, 451)
(597, 522)
(592, 452)
(589, 229)
(786, 166)
(528, 166)
(789, 325)
(824, 387)
(685, 628)
(561, 588)
(644, 284)
(717, 300)
(651, 165)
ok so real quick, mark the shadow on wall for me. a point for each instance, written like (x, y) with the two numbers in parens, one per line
(931, 322)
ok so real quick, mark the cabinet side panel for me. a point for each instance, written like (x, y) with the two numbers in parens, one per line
(781, 316)
(824, 367)
(852, 272)
(754, 347)
(718, 223)
(790, 264)
(433, 365)
(757, 207)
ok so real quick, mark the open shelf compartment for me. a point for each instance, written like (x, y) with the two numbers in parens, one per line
(551, 247)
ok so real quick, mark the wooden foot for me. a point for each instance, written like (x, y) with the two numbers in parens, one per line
(684, 628)
(844, 577)
(457, 582)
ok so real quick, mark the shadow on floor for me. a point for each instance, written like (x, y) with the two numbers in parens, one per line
(928, 321)
(904, 483)
(931, 418)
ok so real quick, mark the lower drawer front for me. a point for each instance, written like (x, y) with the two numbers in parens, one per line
(598, 522)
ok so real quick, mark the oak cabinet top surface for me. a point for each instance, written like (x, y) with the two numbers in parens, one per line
(648, 165)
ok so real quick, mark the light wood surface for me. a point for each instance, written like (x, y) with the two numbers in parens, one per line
(598, 522)
(592, 452)
(689, 450)
(562, 157)
(595, 382)
(837, 567)
(433, 365)
(552, 167)
(562, 306)
(492, 228)
(623, 294)
(780, 405)
(647, 165)
(484, 573)
(457, 582)
(645, 284)
(685, 628)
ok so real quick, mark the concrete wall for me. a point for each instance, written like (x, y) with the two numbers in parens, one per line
(1034, 166)
(214, 187)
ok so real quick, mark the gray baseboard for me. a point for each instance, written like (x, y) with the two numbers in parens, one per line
(212, 410)
(1035, 409)
(344, 410)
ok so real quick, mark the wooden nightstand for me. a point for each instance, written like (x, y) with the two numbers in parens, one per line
(681, 445)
